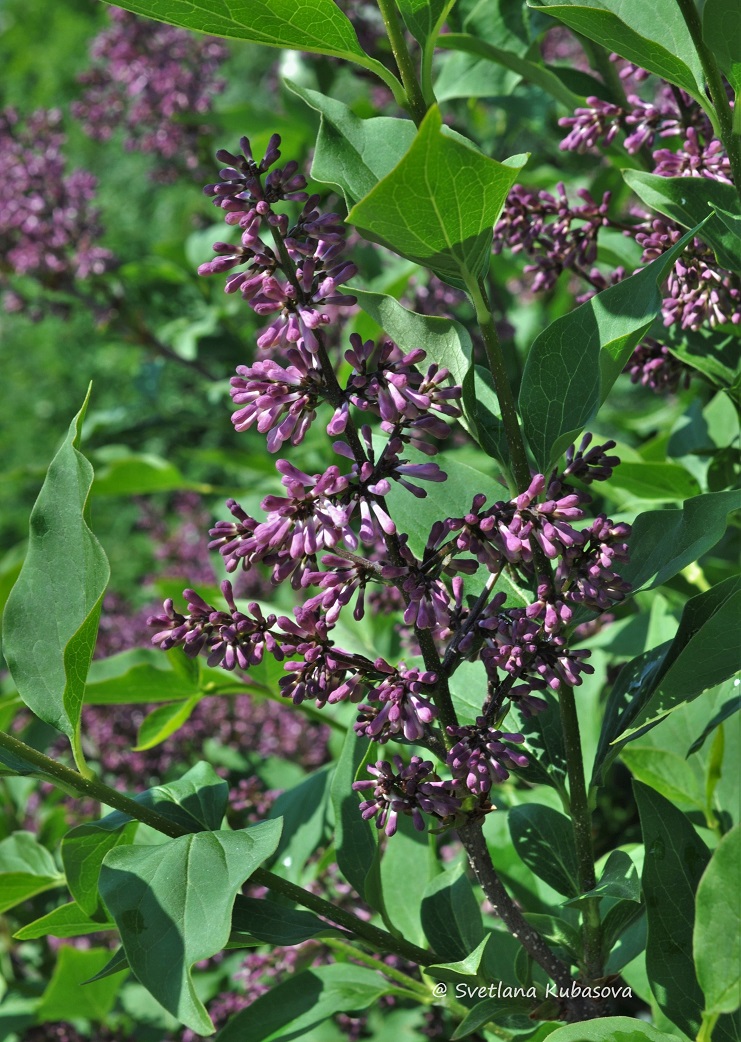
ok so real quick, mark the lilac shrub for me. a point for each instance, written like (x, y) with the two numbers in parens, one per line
(334, 531)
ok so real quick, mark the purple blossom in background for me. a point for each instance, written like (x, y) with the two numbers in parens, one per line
(654, 366)
(49, 226)
(155, 82)
(410, 789)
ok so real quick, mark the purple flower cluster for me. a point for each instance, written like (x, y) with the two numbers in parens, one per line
(49, 226)
(480, 756)
(409, 789)
(553, 234)
(298, 282)
(157, 83)
(331, 533)
(699, 291)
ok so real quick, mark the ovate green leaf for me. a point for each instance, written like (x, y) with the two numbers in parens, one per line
(717, 937)
(438, 206)
(173, 907)
(51, 618)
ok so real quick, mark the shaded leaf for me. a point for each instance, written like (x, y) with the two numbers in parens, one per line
(483, 413)
(721, 32)
(353, 153)
(275, 923)
(446, 341)
(729, 709)
(66, 921)
(66, 999)
(83, 850)
(423, 17)
(294, 1007)
(718, 963)
(451, 917)
(408, 857)
(355, 842)
(26, 869)
(686, 201)
(663, 542)
(439, 204)
(64, 577)
(675, 860)
(655, 38)
(303, 809)
(703, 653)
(544, 840)
(173, 903)
(575, 361)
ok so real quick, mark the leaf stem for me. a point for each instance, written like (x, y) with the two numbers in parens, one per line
(716, 89)
(73, 782)
(394, 31)
(422, 993)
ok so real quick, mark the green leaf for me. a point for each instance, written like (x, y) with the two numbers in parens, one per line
(303, 809)
(63, 578)
(173, 907)
(575, 361)
(675, 860)
(353, 153)
(83, 850)
(663, 542)
(721, 32)
(446, 341)
(139, 475)
(451, 917)
(544, 745)
(163, 721)
(668, 773)
(611, 1029)
(482, 411)
(422, 17)
(727, 710)
(196, 801)
(655, 38)
(686, 201)
(439, 204)
(355, 842)
(66, 921)
(66, 999)
(616, 924)
(630, 692)
(530, 71)
(115, 964)
(703, 653)
(274, 923)
(319, 27)
(409, 858)
(295, 1007)
(136, 676)
(718, 927)
(664, 481)
(544, 840)
(618, 879)
(26, 869)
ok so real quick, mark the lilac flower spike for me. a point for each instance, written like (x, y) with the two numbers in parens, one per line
(299, 282)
